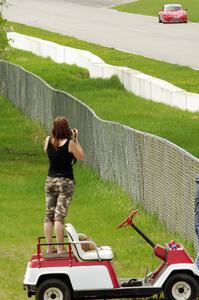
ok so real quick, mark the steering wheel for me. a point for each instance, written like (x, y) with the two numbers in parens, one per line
(128, 221)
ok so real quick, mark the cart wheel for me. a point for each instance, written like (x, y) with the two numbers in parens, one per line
(181, 286)
(53, 289)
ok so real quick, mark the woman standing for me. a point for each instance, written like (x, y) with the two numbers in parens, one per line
(62, 148)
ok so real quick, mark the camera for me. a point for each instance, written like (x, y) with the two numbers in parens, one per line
(73, 134)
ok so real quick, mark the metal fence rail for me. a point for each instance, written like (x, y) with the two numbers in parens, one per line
(152, 170)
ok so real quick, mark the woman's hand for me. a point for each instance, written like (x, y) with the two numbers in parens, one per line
(74, 134)
(74, 146)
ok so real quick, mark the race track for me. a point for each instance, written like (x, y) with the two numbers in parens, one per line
(93, 21)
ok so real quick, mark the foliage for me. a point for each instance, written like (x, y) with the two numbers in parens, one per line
(3, 36)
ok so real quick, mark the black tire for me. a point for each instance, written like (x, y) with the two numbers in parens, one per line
(181, 286)
(53, 289)
(160, 21)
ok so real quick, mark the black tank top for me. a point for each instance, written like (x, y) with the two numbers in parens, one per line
(60, 161)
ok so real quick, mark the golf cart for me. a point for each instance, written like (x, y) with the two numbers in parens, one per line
(89, 274)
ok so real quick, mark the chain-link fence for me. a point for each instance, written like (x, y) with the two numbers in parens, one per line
(152, 170)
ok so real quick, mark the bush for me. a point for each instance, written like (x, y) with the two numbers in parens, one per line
(3, 36)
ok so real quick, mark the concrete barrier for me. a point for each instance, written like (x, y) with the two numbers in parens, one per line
(134, 81)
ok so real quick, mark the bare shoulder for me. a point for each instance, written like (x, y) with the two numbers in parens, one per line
(46, 142)
(47, 139)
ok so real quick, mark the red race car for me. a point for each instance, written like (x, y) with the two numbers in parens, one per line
(172, 13)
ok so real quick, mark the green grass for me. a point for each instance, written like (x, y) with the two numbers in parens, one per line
(111, 102)
(183, 77)
(23, 172)
(152, 7)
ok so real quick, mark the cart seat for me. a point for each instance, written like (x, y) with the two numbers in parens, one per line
(99, 252)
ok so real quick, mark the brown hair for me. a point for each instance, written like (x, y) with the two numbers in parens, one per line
(60, 131)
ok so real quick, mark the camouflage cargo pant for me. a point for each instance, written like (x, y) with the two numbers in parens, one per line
(59, 192)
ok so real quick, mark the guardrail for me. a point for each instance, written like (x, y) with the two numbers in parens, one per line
(134, 81)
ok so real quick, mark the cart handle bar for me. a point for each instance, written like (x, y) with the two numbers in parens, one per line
(129, 221)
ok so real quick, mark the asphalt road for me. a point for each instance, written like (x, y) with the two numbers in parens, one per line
(93, 21)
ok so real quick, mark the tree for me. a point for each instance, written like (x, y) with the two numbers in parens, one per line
(3, 35)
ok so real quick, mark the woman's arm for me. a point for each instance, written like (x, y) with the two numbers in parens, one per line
(75, 148)
(46, 143)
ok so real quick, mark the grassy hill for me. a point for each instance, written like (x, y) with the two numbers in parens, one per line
(111, 101)
(22, 177)
(183, 77)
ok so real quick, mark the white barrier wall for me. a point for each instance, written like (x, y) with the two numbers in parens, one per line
(134, 81)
